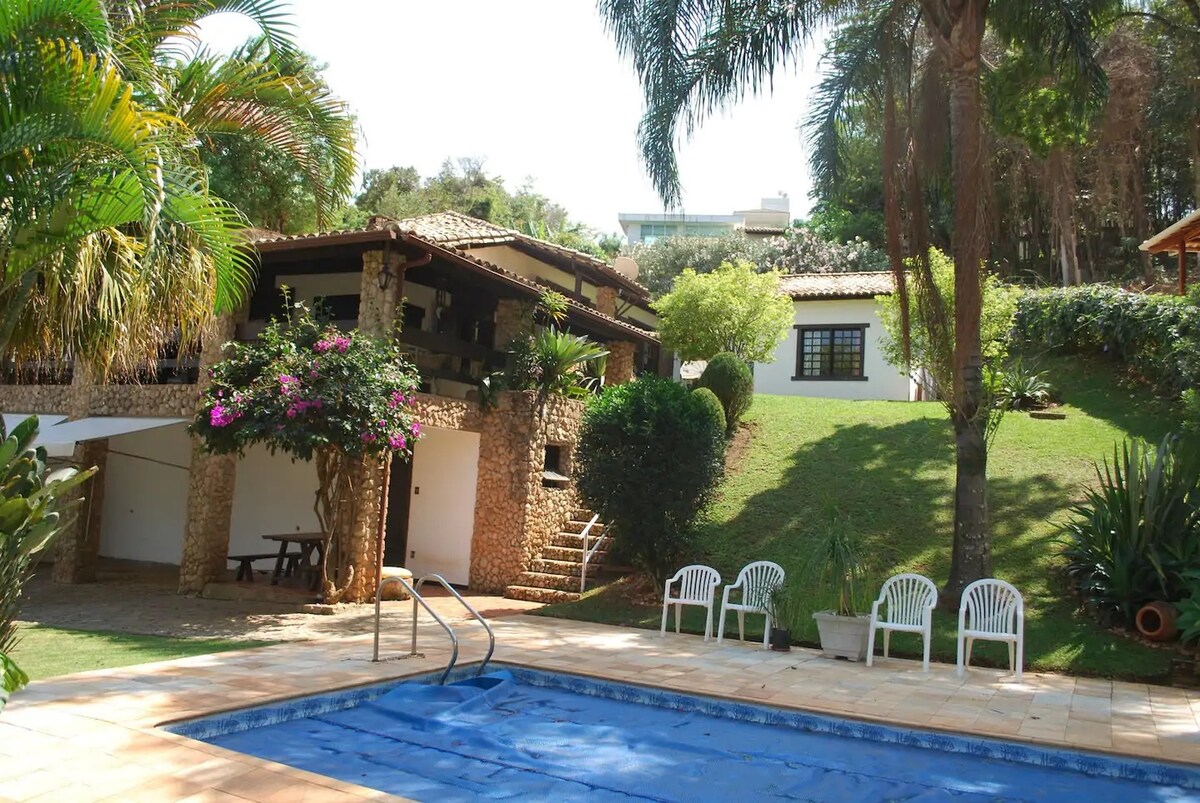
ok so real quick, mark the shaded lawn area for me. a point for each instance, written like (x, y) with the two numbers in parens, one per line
(887, 469)
(46, 652)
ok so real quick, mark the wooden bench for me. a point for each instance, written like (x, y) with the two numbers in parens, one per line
(246, 569)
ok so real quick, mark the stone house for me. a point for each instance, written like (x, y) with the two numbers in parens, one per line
(486, 489)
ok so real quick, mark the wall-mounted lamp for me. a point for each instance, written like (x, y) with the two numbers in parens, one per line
(385, 277)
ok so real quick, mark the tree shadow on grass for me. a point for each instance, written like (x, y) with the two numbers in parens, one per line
(892, 485)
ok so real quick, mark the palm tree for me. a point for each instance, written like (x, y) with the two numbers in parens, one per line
(695, 58)
(110, 242)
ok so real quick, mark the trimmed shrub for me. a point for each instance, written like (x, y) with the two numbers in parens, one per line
(729, 378)
(1157, 336)
(714, 405)
(649, 458)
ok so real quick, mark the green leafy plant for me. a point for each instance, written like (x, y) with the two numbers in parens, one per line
(32, 504)
(735, 308)
(648, 461)
(835, 565)
(710, 400)
(552, 362)
(787, 606)
(316, 393)
(1135, 535)
(1188, 620)
(1022, 388)
(729, 378)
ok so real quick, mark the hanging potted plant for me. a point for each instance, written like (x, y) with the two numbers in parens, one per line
(843, 630)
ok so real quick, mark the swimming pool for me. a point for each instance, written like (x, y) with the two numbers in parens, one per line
(519, 733)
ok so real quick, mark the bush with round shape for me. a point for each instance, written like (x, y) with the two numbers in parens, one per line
(729, 378)
(716, 409)
(649, 458)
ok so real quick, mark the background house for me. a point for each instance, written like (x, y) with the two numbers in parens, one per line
(769, 220)
(473, 504)
(832, 350)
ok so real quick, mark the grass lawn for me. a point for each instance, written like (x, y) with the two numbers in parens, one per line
(46, 652)
(887, 469)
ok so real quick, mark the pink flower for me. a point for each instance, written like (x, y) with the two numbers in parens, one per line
(367, 437)
(322, 346)
(341, 343)
(416, 429)
(291, 411)
(397, 441)
(312, 374)
(396, 400)
(221, 416)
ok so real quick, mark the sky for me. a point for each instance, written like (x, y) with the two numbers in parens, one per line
(536, 90)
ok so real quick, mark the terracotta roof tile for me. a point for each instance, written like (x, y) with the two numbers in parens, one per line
(838, 285)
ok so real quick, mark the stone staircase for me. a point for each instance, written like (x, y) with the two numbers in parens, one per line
(554, 576)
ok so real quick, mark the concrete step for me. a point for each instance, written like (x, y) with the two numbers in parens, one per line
(572, 555)
(542, 580)
(567, 568)
(575, 540)
(547, 595)
(577, 526)
(582, 514)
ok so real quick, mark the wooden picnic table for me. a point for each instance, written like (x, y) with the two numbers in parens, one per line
(308, 543)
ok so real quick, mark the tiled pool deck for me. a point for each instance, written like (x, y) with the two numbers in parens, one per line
(93, 736)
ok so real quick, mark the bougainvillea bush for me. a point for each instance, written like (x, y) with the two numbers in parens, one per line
(314, 392)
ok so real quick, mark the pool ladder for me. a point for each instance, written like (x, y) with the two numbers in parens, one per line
(415, 592)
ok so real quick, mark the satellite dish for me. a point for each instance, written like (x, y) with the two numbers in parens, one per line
(626, 267)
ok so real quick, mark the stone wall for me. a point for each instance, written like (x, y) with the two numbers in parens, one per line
(514, 515)
(606, 301)
(165, 401)
(619, 367)
(77, 547)
(514, 317)
(211, 482)
(35, 398)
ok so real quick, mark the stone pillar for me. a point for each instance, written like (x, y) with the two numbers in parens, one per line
(78, 546)
(79, 397)
(376, 317)
(211, 482)
(606, 301)
(619, 367)
(514, 317)
(515, 515)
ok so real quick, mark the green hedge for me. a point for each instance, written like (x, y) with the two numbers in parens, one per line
(1157, 336)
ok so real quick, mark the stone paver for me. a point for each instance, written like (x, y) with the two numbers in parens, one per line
(141, 599)
(93, 736)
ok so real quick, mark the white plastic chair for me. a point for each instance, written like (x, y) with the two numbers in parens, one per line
(697, 586)
(910, 600)
(991, 610)
(756, 581)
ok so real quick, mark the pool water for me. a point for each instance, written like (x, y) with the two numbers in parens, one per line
(520, 734)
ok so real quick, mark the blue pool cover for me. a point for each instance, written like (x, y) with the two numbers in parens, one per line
(496, 738)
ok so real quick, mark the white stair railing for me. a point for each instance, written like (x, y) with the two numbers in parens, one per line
(588, 553)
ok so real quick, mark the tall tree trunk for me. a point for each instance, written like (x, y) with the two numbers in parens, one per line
(958, 29)
(1062, 200)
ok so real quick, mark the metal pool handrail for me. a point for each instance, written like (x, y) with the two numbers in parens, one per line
(470, 609)
(417, 598)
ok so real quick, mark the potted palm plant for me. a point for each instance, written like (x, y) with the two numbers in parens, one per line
(843, 631)
(783, 604)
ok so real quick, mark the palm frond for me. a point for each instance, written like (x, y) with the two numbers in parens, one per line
(694, 57)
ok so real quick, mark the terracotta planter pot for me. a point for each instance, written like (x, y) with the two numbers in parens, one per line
(1156, 621)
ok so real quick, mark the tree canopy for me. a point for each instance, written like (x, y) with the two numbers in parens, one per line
(734, 308)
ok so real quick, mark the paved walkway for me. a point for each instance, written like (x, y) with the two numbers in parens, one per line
(93, 736)
(143, 600)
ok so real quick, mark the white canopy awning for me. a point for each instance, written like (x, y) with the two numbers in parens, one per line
(59, 436)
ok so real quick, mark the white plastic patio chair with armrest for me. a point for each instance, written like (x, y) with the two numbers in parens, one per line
(991, 610)
(698, 587)
(756, 581)
(905, 605)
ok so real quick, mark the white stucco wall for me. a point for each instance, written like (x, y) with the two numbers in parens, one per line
(272, 495)
(882, 380)
(441, 519)
(145, 502)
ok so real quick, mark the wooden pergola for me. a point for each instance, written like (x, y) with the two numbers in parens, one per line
(1181, 238)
